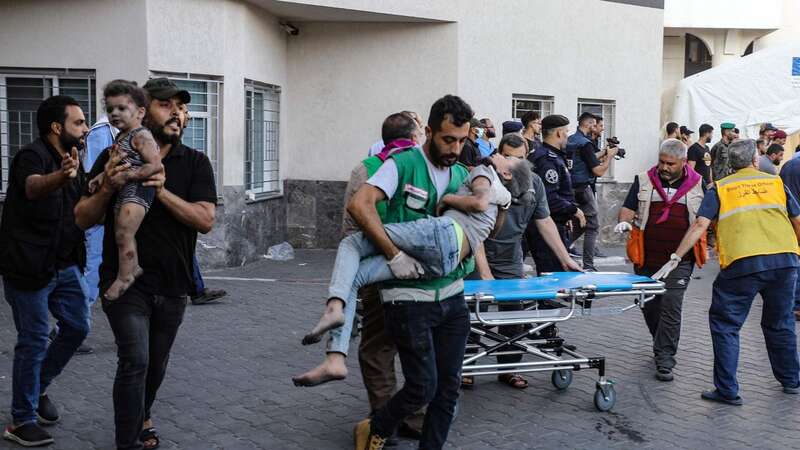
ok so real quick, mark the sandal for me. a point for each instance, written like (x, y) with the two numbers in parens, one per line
(149, 435)
(514, 380)
(467, 382)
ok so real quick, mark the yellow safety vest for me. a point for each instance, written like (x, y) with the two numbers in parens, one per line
(752, 217)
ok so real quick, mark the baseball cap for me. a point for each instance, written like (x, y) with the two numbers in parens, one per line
(511, 126)
(164, 89)
(685, 130)
(769, 127)
(780, 134)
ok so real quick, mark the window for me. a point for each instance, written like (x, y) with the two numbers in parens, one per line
(607, 110)
(521, 103)
(203, 130)
(21, 92)
(262, 120)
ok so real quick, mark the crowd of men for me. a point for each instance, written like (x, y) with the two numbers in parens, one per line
(667, 213)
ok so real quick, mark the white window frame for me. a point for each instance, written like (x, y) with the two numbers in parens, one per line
(54, 75)
(260, 192)
(547, 104)
(213, 122)
(608, 110)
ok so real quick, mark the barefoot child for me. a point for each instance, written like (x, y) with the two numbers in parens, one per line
(430, 248)
(125, 106)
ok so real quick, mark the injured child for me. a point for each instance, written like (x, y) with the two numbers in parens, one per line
(430, 248)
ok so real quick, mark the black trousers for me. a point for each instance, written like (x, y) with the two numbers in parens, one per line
(543, 256)
(144, 327)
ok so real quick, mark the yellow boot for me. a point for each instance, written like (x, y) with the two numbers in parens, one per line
(365, 439)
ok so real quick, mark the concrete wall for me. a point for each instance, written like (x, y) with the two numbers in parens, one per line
(620, 60)
(62, 35)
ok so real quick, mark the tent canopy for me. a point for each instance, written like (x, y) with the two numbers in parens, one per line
(761, 87)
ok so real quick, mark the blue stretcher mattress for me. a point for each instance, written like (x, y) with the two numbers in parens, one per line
(546, 287)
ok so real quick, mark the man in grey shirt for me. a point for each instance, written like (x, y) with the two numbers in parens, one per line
(503, 255)
(769, 162)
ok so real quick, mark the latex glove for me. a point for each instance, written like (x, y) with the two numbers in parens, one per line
(405, 267)
(665, 270)
(623, 227)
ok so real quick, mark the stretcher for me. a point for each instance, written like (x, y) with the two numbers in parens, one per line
(576, 295)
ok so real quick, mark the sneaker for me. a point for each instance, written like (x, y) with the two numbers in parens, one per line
(47, 411)
(28, 435)
(208, 295)
(365, 439)
(715, 396)
(575, 251)
(84, 350)
(664, 374)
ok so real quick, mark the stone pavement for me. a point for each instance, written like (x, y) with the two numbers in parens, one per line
(229, 387)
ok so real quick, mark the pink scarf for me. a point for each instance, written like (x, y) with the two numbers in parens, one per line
(397, 145)
(690, 179)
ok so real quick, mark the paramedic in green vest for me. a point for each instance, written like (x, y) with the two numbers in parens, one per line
(757, 224)
(376, 350)
(428, 320)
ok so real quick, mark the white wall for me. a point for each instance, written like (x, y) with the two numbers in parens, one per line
(107, 36)
(347, 77)
(533, 48)
(742, 14)
(672, 72)
(229, 39)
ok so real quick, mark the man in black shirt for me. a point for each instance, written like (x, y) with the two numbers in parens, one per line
(42, 257)
(146, 318)
(532, 130)
(699, 157)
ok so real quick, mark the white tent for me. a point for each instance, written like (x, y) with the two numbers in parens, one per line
(761, 87)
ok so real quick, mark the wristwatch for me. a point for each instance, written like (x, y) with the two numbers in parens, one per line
(674, 257)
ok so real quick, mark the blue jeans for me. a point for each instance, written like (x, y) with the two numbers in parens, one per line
(730, 304)
(199, 285)
(430, 339)
(94, 256)
(35, 363)
(358, 263)
(797, 292)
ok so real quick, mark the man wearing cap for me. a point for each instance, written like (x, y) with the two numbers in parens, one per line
(550, 163)
(769, 162)
(766, 132)
(686, 135)
(757, 224)
(779, 137)
(720, 168)
(470, 154)
(586, 167)
(146, 318)
(512, 126)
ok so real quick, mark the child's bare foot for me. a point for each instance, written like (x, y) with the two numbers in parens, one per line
(332, 318)
(332, 369)
(120, 285)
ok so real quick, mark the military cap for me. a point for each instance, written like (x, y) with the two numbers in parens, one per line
(727, 126)
(554, 121)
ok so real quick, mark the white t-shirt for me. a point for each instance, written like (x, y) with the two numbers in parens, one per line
(386, 180)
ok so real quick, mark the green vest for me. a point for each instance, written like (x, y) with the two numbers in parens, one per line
(409, 203)
(372, 164)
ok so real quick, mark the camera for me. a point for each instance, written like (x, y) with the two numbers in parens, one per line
(614, 142)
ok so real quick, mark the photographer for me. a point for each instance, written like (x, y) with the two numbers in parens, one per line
(587, 164)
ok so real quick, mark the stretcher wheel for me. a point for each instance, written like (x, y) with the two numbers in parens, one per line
(605, 398)
(561, 379)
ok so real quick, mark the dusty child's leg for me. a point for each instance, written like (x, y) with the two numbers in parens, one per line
(127, 222)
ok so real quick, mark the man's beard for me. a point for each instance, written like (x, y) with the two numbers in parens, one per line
(490, 134)
(436, 156)
(162, 136)
(67, 142)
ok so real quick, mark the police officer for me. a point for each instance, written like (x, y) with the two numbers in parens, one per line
(586, 166)
(550, 163)
(719, 152)
(757, 222)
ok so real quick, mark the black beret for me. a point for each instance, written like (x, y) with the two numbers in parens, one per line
(554, 121)
(511, 126)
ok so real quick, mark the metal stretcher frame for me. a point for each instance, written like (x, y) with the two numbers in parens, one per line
(551, 354)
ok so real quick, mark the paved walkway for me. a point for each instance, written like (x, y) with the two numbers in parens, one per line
(229, 387)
